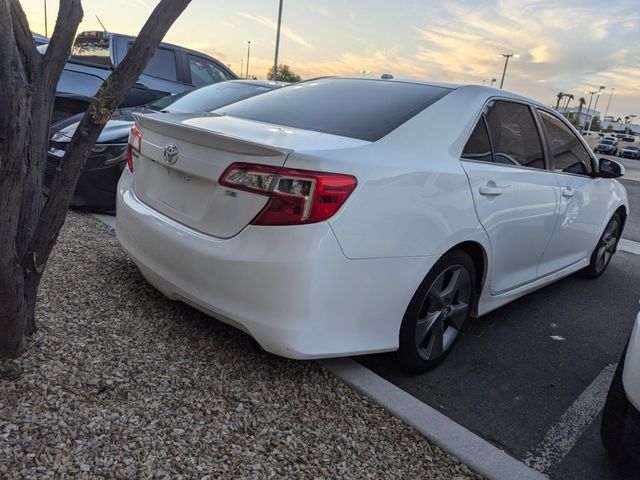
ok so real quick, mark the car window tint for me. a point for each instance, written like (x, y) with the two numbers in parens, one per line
(478, 146)
(92, 48)
(569, 155)
(162, 65)
(514, 135)
(357, 108)
(204, 72)
(209, 98)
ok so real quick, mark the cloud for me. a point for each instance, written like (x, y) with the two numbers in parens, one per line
(286, 31)
(318, 10)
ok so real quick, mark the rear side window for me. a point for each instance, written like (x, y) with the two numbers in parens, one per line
(162, 65)
(569, 155)
(478, 146)
(514, 135)
(364, 109)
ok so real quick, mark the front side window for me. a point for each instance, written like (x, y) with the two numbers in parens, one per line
(204, 72)
(569, 155)
(514, 135)
(478, 146)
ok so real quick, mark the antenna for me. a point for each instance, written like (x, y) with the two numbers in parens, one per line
(101, 24)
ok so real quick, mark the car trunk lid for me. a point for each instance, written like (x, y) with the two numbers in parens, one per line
(183, 156)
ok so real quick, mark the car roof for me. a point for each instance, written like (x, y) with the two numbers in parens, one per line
(478, 89)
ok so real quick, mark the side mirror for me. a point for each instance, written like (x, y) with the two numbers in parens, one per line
(609, 168)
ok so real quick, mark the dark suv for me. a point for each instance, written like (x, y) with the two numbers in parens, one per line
(94, 55)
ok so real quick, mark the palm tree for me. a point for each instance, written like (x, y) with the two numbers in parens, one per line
(559, 97)
(581, 103)
(570, 97)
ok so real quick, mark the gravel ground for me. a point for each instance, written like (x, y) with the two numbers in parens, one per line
(120, 382)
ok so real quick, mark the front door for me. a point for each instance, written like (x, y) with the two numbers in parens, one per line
(583, 199)
(515, 195)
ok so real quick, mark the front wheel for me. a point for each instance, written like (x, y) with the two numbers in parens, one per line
(437, 313)
(605, 249)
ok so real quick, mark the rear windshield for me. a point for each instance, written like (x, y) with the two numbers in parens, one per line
(364, 109)
(209, 98)
(92, 48)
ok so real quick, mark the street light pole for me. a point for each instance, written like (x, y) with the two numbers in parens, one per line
(598, 93)
(591, 94)
(46, 31)
(606, 112)
(275, 60)
(493, 80)
(241, 66)
(506, 56)
(248, 54)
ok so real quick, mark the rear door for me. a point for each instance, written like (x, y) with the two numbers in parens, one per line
(516, 196)
(583, 199)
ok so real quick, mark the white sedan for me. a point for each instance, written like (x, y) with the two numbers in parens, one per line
(344, 216)
(620, 429)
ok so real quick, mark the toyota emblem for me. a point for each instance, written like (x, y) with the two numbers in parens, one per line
(171, 153)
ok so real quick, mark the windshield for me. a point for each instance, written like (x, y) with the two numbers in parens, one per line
(209, 98)
(607, 142)
(363, 109)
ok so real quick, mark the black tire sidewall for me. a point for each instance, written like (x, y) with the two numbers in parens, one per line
(408, 352)
(591, 271)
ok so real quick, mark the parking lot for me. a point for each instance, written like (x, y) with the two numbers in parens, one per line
(531, 377)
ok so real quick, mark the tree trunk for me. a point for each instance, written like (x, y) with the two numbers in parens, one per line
(29, 226)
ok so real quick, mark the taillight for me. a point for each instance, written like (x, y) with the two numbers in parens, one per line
(295, 196)
(134, 147)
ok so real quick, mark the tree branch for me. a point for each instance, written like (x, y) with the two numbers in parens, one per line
(31, 59)
(69, 16)
(111, 94)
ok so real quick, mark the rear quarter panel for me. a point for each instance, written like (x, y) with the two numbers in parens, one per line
(413, 197)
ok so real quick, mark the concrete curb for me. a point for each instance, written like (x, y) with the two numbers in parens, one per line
(469, 448)
(629, 246)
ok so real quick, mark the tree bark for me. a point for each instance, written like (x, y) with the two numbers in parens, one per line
(29, 226)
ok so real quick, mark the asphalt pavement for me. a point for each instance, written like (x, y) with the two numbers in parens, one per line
(531, 376)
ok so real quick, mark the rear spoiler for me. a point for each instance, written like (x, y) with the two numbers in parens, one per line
(173, 126)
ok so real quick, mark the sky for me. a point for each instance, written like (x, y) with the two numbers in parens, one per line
(565, 45)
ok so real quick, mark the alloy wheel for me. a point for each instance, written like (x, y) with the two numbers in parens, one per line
(607, 245)
(443, 313)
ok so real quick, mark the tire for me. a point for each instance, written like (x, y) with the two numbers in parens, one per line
(614, 416)
(437, 313)
(605, 248)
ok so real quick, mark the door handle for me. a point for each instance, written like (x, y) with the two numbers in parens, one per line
(490, 189)
(567, 192)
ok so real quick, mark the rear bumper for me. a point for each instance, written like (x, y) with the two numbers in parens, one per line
(291, 288)
(631, 372)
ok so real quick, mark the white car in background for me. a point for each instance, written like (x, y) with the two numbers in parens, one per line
(620, 431)
(346, 216)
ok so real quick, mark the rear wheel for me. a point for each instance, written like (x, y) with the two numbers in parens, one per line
(605, 249)
(437, 313)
